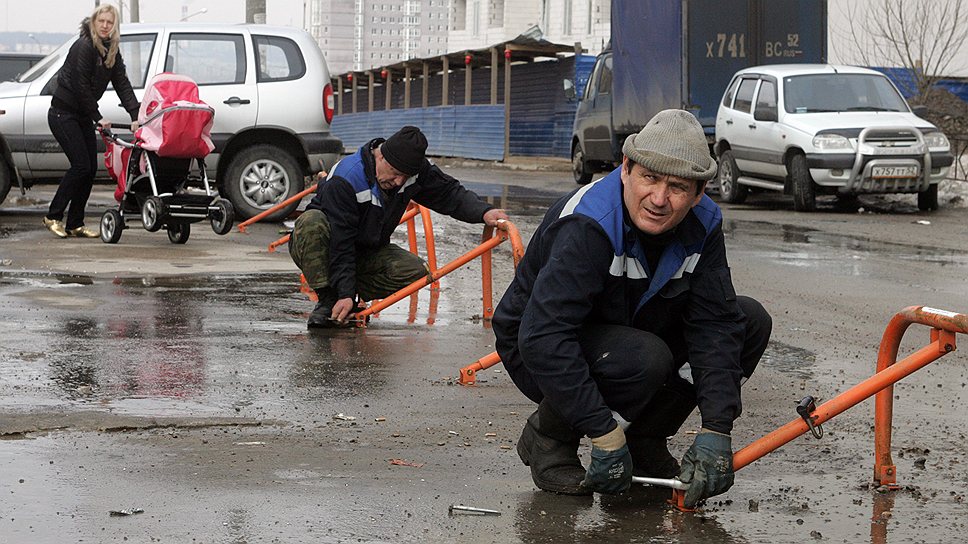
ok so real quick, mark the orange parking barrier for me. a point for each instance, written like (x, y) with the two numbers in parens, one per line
(260, 216)
(505, 231)
(468, 374)
(944, 325)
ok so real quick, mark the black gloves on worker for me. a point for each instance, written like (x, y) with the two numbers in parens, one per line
(707, 467)
(610, 471)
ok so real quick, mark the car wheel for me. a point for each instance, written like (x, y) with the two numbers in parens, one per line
(578, 165)
(6, 180)
(179, 232)
(260, 177)
(111, 226)
(729, 188)
(223, 217)
(151, 213)
(804, 193)
(928, 199)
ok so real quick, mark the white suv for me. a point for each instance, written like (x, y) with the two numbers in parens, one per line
(269, 86)
(809, 129)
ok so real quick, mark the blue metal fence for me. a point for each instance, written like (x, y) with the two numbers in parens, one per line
(475, 132)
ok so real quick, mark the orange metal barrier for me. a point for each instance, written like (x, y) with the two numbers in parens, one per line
(505, 231)
(258, 217)
(944, 325)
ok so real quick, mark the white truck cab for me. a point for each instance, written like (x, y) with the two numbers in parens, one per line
(812, 129)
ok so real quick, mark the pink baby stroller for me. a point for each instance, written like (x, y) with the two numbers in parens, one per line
(154, 173)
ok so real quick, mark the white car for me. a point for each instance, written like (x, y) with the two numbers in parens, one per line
(812, 129)
(269, 86)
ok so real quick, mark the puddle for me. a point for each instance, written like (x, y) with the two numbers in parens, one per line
(853, 255)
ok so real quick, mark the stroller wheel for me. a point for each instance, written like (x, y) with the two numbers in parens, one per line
(179, 232)
(111, 226)
(223, 217)
(152, 212)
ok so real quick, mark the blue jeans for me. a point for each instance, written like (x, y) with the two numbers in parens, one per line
(75, 134)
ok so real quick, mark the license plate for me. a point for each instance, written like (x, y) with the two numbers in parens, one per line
(894, 172)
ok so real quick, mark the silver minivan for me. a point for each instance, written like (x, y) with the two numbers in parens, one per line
(269, 86)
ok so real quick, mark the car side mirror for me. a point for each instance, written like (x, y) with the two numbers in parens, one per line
(765, 114)
(569, 87)
(920, 111)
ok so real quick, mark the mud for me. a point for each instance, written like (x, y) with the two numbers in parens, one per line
(181, 380)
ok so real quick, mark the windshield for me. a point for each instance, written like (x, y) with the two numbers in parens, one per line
(38, 69)
(841, 92)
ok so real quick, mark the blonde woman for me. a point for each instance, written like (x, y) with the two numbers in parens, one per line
(93, 62)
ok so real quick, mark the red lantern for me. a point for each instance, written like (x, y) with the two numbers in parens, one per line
(467, 58)
(349, 77)
(384, 73)
(507, 54)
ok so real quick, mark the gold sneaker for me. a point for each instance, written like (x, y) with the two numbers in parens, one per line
(56, 227)
(83, 232)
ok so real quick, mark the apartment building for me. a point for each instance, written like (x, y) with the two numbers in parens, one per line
(362, 34)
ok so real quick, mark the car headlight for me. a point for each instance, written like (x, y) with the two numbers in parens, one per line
(831, 142)
(936, 140)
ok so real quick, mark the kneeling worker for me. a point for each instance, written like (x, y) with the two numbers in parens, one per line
(624, 282)
(341, 243)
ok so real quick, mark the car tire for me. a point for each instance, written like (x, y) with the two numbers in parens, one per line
(223, 217)
(260, 177)
(928, 199)
(111, 226)
(729, 188)
(178, 233)
(804, 192)
(152, 213)
(579, 167)
(6, 180)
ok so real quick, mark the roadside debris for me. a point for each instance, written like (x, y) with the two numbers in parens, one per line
(342, 417)
(923, 222)
(405, 463)
(127, 512)
(455, 509)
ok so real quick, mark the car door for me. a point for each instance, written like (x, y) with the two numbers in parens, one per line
(740, 120)
(225, 74)
(138, 52)
(765, 133)
(594, 116)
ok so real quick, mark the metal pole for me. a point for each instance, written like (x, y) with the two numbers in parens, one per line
(255, 11)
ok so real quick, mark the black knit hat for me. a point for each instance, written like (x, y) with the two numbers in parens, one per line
(405, 150)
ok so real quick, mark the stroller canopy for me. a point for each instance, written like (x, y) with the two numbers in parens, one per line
(174, 122)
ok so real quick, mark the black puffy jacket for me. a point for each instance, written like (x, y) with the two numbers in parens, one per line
(84, 77)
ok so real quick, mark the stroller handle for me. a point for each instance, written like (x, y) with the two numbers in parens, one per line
(108, 134)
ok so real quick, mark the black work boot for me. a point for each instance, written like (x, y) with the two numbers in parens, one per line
(646, 436)
(550, 448)
(320, 318)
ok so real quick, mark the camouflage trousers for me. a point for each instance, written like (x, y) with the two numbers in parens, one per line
(379, 273)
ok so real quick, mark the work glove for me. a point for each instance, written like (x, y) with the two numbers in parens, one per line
(610, 471)
(707, 467)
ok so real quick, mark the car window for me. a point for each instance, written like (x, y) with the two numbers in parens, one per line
(37, 70)
(209, 59)
(728, 97)
(841, 92)
(766, 101)
(744, 96)
(278, 59)
(136, 51)
(605, 83)
(592, 81)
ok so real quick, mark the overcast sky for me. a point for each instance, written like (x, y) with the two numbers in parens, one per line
(64, 15)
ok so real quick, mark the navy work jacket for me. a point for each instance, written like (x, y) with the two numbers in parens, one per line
(586, 264)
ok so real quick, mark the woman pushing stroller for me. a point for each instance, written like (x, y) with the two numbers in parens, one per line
(93, 61)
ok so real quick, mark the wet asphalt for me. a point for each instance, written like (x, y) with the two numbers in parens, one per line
(181, 381)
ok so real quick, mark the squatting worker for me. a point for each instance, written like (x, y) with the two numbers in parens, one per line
(342, 241)
(92, 62)
(624, 282)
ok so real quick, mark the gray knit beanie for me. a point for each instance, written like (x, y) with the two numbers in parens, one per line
(672, 143)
